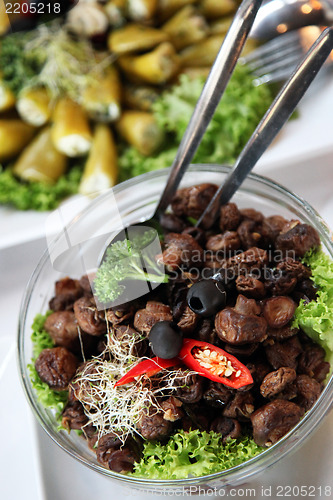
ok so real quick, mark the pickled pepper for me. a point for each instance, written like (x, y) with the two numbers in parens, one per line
(101, 169)
(40, 161)
(71, 133)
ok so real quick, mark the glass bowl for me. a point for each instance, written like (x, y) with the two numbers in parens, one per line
(77, 249)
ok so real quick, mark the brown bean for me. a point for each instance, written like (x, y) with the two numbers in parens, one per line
(225, 242)
(152, 425)
(88, 318)
(190, 387)
(277, 381)
(62, 328)
(284, 353)
(252, 214)
(188, 321)
(273, 225)
(217, 395)
(230, 217)
(154, 312)
(250, 286)
(172, 223)
(235, 328)
(181, 249)
(247, 306)
(274, 420)
(298, 240)
(308, 391)
(73, 416)
(106, 445)
(122, 460)
(67, 291)
(197, 233)
(278, 311)
(229, 428)
(247, 262)
(249, 234)
(193, 200)
(282, 333)
(56, 367)
(240, 407)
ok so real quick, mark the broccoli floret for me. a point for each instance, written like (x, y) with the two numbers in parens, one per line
(127, 259)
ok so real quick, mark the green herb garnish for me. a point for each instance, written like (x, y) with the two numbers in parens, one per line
(123, 261)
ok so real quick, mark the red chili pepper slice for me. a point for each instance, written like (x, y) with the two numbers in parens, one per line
(149, 367)
(214, 363)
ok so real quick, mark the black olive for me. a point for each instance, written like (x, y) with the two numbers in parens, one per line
(227, 278)
(165, 340)
(206, 297)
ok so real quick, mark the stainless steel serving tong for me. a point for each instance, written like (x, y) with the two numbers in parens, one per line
(281, 16)
(211, 94)
(278, 113)
(210, 97)
(275, 60)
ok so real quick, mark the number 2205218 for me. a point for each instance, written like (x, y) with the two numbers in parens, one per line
(303, 491)
(32, 8)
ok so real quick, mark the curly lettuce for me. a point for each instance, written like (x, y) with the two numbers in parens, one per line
(235, 118)
(316, 317)
(41, 340)
(38, 196)
(194, 453)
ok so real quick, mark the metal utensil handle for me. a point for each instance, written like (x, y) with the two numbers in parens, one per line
(276, 116)
(289, 15)
(215, 85)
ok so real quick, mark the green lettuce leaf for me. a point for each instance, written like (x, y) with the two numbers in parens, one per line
(193, 453)
(37, 195)
(316, 317)
(235, 119)
(133, 163)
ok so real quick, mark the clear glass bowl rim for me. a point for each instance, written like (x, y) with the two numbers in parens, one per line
(229, 476)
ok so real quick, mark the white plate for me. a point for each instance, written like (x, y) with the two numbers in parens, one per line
(18, 227)
(308, 136)
(305, 138)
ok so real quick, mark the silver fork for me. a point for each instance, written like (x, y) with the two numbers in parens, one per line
(275, 60)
